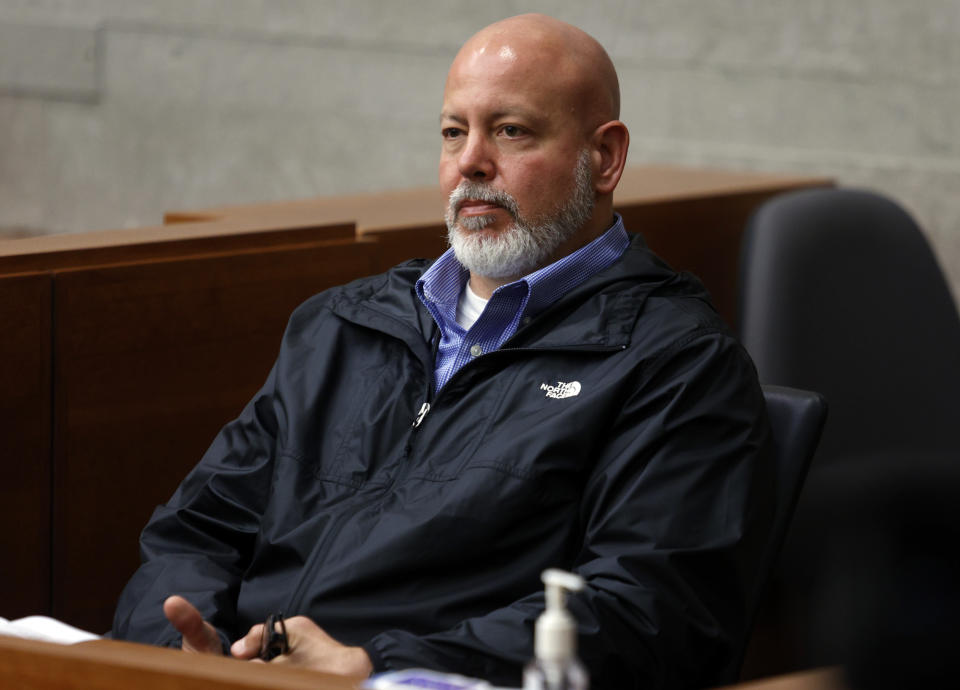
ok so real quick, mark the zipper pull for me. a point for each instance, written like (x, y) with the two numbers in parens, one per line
(421, 414)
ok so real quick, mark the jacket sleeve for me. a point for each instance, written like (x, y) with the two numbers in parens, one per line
(675, 517)
(198, 544)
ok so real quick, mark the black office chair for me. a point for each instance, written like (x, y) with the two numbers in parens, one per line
(840, 293)
(796, 421)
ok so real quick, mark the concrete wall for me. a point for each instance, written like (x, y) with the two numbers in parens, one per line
(112, 111)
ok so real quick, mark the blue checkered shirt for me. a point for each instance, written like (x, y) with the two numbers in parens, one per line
(510, 305)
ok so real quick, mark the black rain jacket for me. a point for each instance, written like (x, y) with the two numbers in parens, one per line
(620, 434)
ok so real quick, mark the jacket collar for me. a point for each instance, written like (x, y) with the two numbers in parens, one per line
(599, 313)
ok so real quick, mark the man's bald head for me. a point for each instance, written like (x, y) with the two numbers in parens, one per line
(544, 48)
(532, 147)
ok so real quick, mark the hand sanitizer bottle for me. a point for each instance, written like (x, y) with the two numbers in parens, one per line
(555, 666)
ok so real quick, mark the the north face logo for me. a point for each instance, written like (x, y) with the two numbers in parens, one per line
(562, 390)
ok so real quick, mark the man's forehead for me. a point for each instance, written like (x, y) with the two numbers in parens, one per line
(508, 52)
(514, 85)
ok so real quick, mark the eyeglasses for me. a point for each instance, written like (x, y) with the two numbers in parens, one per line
(273, 642)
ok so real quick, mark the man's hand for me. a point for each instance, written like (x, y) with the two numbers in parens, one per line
(310, 647)
(198, 635)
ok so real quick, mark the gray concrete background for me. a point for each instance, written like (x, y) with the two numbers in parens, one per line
(113, 111)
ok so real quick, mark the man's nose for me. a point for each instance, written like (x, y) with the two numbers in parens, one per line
(476, 159)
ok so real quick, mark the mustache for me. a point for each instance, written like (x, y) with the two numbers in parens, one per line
(468, 190)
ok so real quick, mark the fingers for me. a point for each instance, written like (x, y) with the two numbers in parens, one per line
(310, 647)
(248, 646)
(198, 635)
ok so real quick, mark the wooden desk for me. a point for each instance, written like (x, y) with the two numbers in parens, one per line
(819, 679)
(146, 245)
(113, 665)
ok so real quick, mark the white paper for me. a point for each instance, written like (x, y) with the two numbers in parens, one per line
(45, 629)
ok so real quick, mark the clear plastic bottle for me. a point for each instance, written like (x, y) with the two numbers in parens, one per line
(553, 676)
(555, 665)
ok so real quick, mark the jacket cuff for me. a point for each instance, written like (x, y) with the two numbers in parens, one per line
(376, 659)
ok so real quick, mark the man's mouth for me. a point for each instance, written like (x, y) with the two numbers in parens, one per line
(475, 207)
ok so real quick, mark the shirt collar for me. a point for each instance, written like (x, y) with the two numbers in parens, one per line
(552, 282)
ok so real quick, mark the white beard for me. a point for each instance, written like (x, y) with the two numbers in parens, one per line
(527, 243)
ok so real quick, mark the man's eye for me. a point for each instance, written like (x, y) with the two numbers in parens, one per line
(511, 130)
(450, 132)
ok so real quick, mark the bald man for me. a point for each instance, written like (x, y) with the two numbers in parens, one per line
(545, 394)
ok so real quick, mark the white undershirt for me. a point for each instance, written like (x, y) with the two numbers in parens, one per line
(469, 307)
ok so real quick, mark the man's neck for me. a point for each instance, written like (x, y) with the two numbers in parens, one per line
(483, 286)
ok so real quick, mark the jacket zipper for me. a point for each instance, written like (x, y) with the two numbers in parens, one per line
(424, 409)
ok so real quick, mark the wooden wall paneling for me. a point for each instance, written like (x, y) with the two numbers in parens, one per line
(25, 418)
(700, 235)
(387, 209)
(236, 234)
(401, 244)
(676, 208)
(152, 359)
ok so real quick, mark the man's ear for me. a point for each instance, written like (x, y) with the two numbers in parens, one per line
(610, 142)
